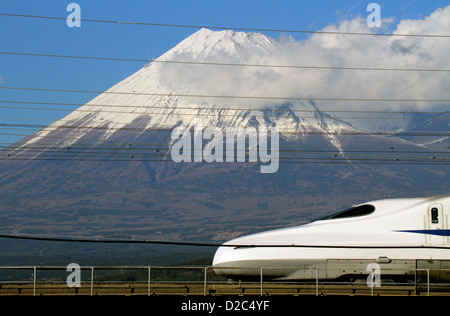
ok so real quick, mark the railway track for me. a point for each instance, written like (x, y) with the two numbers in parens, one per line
(220, 289)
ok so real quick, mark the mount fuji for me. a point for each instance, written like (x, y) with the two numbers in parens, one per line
(105, 169)
(167, 93)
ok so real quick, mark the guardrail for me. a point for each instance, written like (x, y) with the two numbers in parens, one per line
(197, 272)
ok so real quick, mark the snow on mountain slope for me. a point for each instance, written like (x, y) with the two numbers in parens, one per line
(164, 94)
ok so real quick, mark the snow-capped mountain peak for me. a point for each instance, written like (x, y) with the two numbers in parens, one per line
(199, 86)
(155, 96)
(207, 45)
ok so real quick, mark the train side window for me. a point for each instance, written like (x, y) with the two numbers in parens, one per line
(435, 215)
(356, 211)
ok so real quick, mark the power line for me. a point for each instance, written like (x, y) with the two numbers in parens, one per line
(225, 96)
(156, 149)
(227, 27)
(130, 146)
(208, 114)
(165, 147)
(63, 155)
(162, 148)
(297, 160)
(69, 153)
(158, 154)
(226, 64)
(284, 154)
(116, 241)
(207, 244)
(286, 131)
(289, 155)
(164, 130)
(135, 143)
(209, 108)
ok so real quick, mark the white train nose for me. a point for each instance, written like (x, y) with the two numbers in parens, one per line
(223, 255)
(224, 258)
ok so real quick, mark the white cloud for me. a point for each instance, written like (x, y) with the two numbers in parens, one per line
(329, 50)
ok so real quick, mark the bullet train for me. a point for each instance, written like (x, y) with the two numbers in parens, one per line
(400, 236)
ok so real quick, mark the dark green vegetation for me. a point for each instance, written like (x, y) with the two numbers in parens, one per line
(53, 254)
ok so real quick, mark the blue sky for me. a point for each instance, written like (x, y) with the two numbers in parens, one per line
(45, 36)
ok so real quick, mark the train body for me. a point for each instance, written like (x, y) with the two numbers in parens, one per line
(400, 236)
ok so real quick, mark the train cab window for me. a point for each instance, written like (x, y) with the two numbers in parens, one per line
(356, 211)
(435, 215)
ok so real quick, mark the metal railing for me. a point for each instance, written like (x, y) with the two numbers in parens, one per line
(317, 282)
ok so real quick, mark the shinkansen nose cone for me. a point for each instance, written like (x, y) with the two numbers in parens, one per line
(234, 261)
(223, 255)
(223, 258)
(240, 258)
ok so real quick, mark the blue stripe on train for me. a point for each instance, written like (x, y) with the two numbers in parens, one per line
(438, 232)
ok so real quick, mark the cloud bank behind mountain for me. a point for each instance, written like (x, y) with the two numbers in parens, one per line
(384, 53)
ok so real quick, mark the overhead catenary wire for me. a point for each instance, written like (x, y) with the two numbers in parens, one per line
(311, 161)
(283, 158)
(129, 145)
(117, 151)
(161, 149)
(222, 96)
(286, 132)
(207, 113)
(202, 244)
(225, 27)
(153, 154)
(226, 64)
(289, 155)
(169, 129)
(445, 136)
(290, 132)
(197, 107)
(210, 109)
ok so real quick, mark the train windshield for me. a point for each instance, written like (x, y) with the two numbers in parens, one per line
(356, 211)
